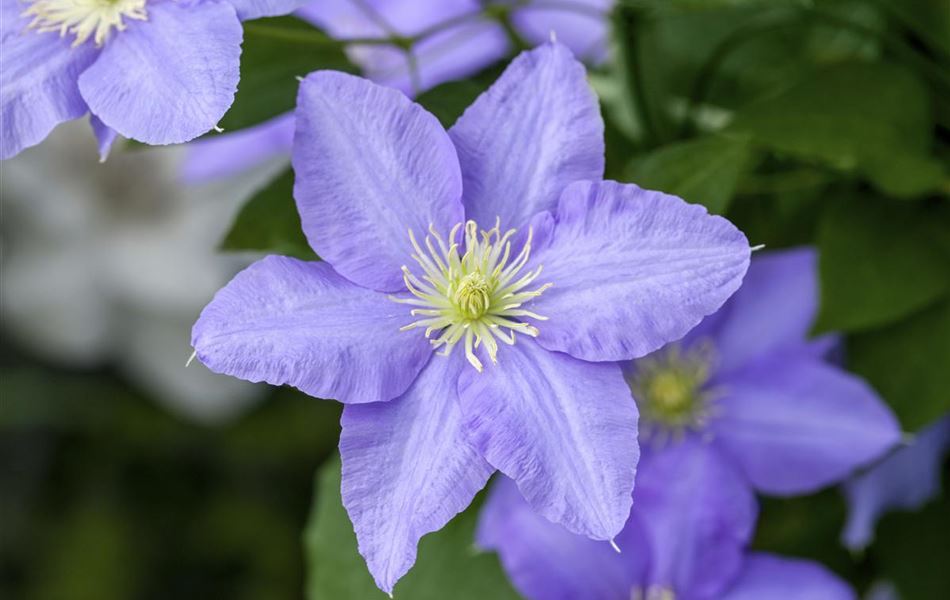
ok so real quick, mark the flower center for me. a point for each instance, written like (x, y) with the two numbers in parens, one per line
(473, 297)
(654, 592)
(670, 389)
(84, 18)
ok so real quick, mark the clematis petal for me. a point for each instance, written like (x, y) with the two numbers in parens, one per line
(408, 469)
(168, 79)
(286, 321)
(795, 424)
(906, 479)
(766, 576)
(534, 131)
(233, 153)
(772, 311)
(698, 513)
(37, 83)
(565, 430)
(632, 270)
(255, 9)
(583, 28)
(105, 136)
(544, 561)
(465, 42)
(370, 165)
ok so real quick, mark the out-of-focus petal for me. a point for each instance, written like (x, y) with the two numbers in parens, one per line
(408, 469)
(632, 270)
(767, 577)
(544, 561)
(170, 78)
(233, 153)
(254, 9)
(451, 53)
(286, 321)
(699, 514)
(563, 429)
(533, 132)
(795, 424)
(370, 165)
(38, 91)
(582, 27)
(772, 311)
(907, 479)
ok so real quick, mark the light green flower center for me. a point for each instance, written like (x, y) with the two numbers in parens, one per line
(474, 297)
(84, 18)
(670, 389)
(654, 592)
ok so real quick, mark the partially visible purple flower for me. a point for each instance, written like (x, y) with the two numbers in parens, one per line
(750, 384)
(533, 277)
(472, 43)
(685, 539)
(906, 480)
(744, 402)
(158, 71)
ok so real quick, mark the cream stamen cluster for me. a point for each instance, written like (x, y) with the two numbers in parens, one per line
(471, 293)
(84, 18)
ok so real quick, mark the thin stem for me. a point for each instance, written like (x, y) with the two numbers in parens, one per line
(627, 21)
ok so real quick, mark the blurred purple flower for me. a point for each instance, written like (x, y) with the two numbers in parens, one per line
(157, 71)
(907, 479)
(631, 269)
(470, 44)
(754, 389)
(685, 539)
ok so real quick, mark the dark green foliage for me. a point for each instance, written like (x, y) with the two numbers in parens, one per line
(447, 559)
(270, 223)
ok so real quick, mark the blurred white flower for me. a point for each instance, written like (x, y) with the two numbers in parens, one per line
(111, 263)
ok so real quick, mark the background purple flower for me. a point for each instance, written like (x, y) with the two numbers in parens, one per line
(754, 388)
(907, 479)
(157, 71)
(685, 539)
(466, 47)
(631, 270)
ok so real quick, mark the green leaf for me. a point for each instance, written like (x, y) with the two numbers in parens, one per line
(275, 52)
(877, 263)
(705, 171)
(806, 527)
(872, 119)
(269, 223)
(448, 565)
(909, 364)
(912, 550)
(449, 100)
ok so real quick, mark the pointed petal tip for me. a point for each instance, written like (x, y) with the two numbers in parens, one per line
(614, 545)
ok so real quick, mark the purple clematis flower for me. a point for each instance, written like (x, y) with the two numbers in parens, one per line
(744, 402)
(685, 539)
(751, 385)
(907, 479)
(470, 43)
(531, 277)
(158, 71)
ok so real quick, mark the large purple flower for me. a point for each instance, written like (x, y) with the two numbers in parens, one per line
(686, 539)
(469, 43)
(497, 349)
(158, 71)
